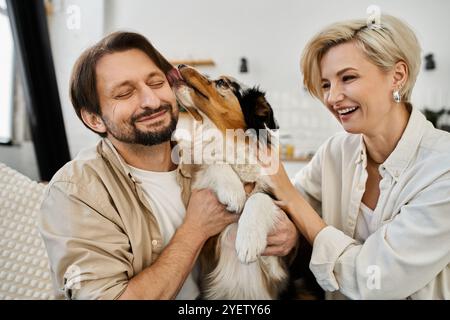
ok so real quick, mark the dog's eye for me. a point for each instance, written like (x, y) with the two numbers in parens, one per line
(221, 83)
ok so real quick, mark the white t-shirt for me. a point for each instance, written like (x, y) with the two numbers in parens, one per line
(365, 225)
(164, 196)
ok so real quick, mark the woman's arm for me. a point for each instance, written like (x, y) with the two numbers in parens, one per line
(305, 218)
(400, 258)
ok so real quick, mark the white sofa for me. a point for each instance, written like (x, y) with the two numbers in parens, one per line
(24, 269)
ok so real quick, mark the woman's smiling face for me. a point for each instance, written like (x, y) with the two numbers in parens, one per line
(356, 91)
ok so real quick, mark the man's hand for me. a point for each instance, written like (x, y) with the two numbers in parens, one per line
(283, 238)
(205, 215)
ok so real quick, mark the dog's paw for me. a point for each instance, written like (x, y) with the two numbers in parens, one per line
(232, 197)
(251, 241)
(226, 185)
(254, 225)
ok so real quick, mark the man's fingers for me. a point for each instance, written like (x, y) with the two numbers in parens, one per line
(232, 217)
(275, 240)
(274, 251)
(282, 205)
(270, 251)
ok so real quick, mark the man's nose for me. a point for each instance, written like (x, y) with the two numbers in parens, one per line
(148, 98)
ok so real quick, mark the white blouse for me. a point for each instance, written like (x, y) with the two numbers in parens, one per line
(408, 254)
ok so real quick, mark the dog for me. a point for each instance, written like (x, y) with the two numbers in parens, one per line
(231, 263)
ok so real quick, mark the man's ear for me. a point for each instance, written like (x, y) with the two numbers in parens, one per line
(93, 121)
(400, 75)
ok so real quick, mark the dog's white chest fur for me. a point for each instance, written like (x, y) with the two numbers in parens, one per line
(242, 273)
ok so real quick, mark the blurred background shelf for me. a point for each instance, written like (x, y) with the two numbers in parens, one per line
(194, 63)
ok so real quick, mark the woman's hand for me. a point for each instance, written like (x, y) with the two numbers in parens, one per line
(305, 218)
(277, 177)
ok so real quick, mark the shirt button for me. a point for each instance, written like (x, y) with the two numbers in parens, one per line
(154, 243)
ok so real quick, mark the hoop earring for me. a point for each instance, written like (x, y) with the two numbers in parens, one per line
(396, 96)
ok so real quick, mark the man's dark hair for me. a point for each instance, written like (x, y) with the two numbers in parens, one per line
(83, 89)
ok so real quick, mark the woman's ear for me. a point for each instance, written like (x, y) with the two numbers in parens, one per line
(93, 121)
(400, 75)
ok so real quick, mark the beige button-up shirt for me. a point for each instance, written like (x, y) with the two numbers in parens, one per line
(408, 255)
(98, 226)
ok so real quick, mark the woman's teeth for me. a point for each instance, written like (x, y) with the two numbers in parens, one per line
(347, 110)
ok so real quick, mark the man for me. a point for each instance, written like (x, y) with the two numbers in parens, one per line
(114, 220)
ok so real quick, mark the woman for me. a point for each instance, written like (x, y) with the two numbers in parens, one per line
(375, 200)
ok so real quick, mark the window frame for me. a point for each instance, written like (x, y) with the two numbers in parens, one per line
(9, 140)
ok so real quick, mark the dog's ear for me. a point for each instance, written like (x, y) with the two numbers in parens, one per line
(262, 107)
(258, 113)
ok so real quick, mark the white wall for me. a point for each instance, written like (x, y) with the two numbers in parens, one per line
(271, 34)
(70, 34)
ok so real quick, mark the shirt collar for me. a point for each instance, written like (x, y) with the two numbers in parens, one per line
(362, 155)
(407, 146)
(107, 149)
(109, 152)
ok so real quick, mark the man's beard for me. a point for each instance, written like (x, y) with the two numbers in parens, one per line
(133, 135)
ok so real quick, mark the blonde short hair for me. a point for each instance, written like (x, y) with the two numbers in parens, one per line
(392, 42)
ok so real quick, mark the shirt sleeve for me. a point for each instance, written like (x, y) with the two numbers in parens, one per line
(397, 260)
(89, 253)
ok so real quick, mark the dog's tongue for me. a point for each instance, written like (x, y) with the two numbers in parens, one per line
(174, 76)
